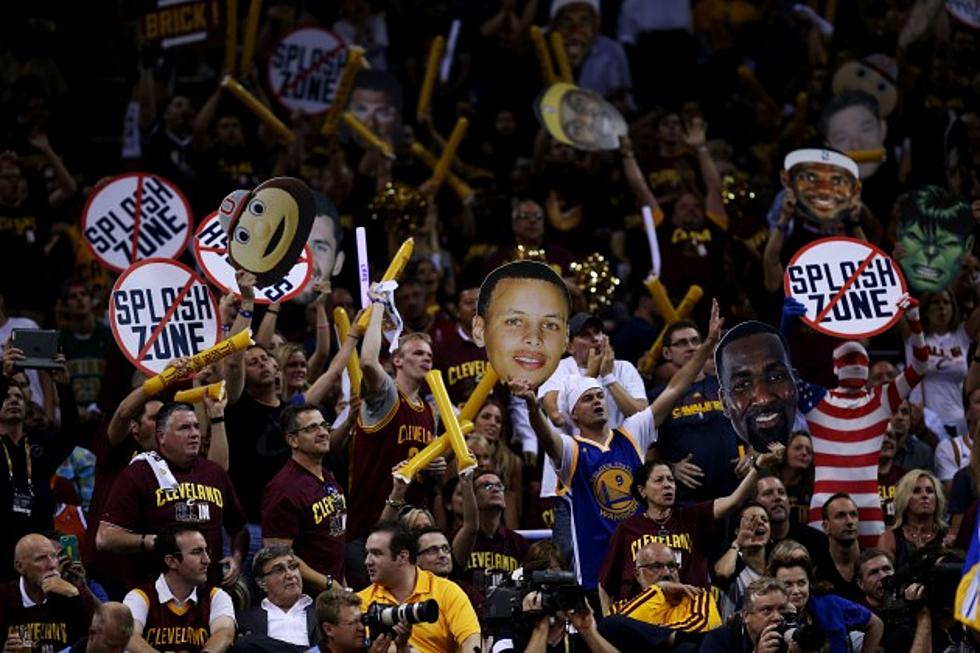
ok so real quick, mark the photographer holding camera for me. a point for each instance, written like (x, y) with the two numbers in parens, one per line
(338, 612)
(902, 609)
(823, 618)
(758, 627)
(397, 581)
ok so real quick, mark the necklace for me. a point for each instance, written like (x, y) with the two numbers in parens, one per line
(661, 523)
(917, 536)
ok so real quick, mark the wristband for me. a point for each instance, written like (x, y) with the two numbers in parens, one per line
(216, 420)
(329, 582)
(226, 328)
(394, 503)
(245, 313)
(783, 227)
(143, 542)
(755, 464)
(608, 380)
(273, 312)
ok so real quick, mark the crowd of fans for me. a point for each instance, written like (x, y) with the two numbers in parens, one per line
(697, 498)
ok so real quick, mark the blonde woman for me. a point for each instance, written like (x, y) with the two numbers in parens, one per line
(919, 509)
(293, 369)
(490, 423)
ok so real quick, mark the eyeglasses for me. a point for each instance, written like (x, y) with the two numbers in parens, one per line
(488, 486)
(436, 548)
(311, 428)
(686, 342)
(281, 569)
(660, 566)
(526, 215)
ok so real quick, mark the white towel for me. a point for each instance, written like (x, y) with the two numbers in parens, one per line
(159, 467)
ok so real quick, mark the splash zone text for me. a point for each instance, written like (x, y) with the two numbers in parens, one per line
(142, 310)
(867, 296)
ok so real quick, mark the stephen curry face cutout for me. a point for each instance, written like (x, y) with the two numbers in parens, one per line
(580, 118)
(936, 229)
(522, 320)
(268, 227)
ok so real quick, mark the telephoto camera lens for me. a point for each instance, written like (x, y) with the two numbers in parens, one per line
(384, 617)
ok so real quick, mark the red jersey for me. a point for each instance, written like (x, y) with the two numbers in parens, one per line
(169, 629)
(403, 431)
(311, 512)
(204, 497)
(690, 531)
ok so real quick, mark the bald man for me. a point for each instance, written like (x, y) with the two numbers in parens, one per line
(112, 626)
(41, 607)
(666, 613)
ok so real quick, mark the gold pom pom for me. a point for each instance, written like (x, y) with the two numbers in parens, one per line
(400, 205)
(596, 281)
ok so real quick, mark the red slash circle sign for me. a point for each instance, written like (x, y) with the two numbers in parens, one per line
(849, 287)
(160, 310)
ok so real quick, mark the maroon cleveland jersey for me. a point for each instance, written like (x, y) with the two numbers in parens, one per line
(53, 625)
(310, 511)
(169, 629)
(400, 434)
(203, 497)
(505, 551)
(461, 360)
(690, 531)
(886, 490)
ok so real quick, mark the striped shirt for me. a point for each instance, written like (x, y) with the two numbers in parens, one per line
(847, 426)
(696, 615)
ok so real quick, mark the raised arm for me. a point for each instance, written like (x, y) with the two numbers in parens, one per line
(637, 183)
(204, 118)
(316, 393)
(267, 327)
(696, 137)
(374, 374)
(684, 377)
(65, 183)
(233, 367)
(548, 439)
(465, 538)
(725, 505)
(772, 266)
(322, 306)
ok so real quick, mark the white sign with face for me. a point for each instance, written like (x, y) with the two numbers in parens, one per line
(159, 310)
(850, 288)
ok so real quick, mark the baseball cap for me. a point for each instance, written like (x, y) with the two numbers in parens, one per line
(581, 320)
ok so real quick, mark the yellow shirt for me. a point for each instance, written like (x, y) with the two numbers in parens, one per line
(696, 615)
(457, 618)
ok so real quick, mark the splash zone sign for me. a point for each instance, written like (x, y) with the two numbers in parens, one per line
(305, 68)
(160, 310)
(211, 251)
(850, 288)
(134, 217)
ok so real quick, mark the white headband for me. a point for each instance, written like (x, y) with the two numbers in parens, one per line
(815, 155)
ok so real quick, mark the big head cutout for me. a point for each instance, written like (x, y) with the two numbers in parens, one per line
(875, 75)
(936, 230)
(825, 184)
(522, 320)
(580, 118)
(758, 383)
(268, 227)
(852, 121)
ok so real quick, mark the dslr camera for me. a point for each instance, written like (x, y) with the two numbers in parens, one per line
(381, 618)
(937, 570)
(559, 591)
(807, 637)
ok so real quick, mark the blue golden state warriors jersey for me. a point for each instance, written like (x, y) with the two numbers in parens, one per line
(601, 477)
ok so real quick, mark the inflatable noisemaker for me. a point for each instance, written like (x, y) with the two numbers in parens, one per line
(251, 29)
(561, 57)
(455, 138)
(453, 434)
(215, 391)
(238, 342)
(367, 135)
(354, 64)
(670, 315)
(395, 269)
(457, 185)
(231, 35)
(544, 56)
(342, 321)
(429, 81)
(876, 155)
(748, 77)
(261, 111)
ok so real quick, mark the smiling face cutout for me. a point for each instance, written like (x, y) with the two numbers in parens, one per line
(268, 227)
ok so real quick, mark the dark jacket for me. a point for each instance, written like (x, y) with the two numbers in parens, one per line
(253, 629)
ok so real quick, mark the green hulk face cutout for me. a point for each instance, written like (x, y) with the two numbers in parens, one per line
(935, 229)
